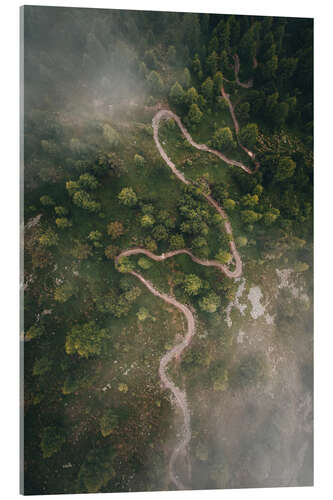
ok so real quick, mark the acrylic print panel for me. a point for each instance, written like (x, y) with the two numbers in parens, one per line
(167, 251)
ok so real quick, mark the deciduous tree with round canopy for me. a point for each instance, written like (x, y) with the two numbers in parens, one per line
(63, 222)
(210, 303)
(192, 284)
(142, 314)
(46, 200)
(49, 238)
(249, 216)
(127, 197)
(229, 204)
(223, 138)
(241, 241)
(88, 181)
(144, 263)
(61, 211)
(177, 242)
(147, 220)
(223, 256)
(115, 229)
(250, 200)
(160, 232)
(111, 251)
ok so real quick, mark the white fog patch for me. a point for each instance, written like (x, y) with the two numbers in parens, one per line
(258, 309)
(235, 303)
(255, 296)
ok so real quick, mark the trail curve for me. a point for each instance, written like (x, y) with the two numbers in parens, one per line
(249, 83)
(176, 351)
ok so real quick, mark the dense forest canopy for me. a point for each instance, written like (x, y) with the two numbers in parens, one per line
(95, 185)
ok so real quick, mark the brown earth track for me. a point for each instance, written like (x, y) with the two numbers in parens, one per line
(180, 396)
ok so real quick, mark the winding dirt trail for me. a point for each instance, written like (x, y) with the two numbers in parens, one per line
(176, 351)
(236, 126)
(248, 84)
(180, 396)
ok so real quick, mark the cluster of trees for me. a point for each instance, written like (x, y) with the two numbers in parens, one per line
(79, 191)
(194, 102)
(193, 288)
(118, 302)
(85, 339)
(184, 58)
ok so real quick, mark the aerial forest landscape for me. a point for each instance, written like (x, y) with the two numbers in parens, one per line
(167, 312)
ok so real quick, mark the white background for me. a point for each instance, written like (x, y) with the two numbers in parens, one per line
(9, 260)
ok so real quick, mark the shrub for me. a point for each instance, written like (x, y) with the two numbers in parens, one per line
(115, 229)
(160, 233)
(34, 332)
(46, 201)
(241, 241)
(223, 256)
(111, 251)
(142, 314)
(192, 284)
(210, 303)
(223, 139)
(48, 238)
(144, 263)
(229, 204)
(61, 211)
(147, 220)
(63, 222)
